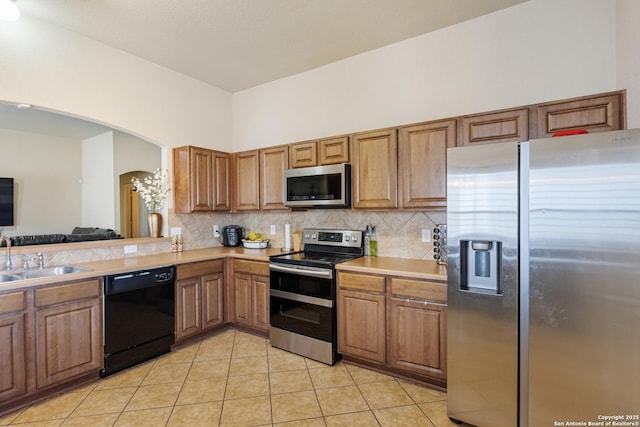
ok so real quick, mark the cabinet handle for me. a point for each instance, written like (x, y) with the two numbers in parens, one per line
(420, 300)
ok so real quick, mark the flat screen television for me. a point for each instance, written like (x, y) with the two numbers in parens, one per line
(6, 201)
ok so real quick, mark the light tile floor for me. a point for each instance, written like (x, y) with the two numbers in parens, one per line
(237, 379)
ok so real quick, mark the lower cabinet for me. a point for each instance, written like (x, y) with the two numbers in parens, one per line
(395, 323)
(417, 334)
(48, 336)
(68, 331)
(251, 294)
(199, 297)
(68, 341)
(13, 360)
(361, 316)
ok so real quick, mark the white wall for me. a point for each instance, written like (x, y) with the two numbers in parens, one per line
(99, 188)
(46, 172)
(61, 71)
(537, 51)
(131, 154)
(628, 57)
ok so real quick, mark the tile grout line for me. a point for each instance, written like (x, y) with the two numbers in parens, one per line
(271, 358)
(175, 403)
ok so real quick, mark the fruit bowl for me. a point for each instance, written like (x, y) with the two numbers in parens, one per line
(255, 244)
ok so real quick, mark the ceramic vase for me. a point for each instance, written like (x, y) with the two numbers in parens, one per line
(155, 224)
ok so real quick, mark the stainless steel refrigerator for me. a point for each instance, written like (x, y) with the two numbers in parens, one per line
(544, 281)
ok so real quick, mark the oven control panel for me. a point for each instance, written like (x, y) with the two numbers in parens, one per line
(346, 238)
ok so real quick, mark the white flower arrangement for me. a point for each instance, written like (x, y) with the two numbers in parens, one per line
(152, 189)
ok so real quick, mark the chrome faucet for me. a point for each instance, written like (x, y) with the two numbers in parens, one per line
(40, 260)
(7, 239)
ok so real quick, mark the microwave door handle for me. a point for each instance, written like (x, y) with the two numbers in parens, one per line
(302, 271)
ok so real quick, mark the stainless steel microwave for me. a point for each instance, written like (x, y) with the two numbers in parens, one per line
(318, 187)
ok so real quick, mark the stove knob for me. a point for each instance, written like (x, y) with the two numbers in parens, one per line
(354, 239)
(307, 235)
(346, 238)
(314, 236)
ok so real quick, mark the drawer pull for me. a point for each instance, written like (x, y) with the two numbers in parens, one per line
(425, 302)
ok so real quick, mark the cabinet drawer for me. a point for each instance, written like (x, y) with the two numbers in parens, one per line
(251, 267)
(199, 269)
(419, 289)
(67, 292)
(12, 302)
(363, 282)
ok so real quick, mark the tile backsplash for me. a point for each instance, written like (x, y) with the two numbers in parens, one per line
(399, 233)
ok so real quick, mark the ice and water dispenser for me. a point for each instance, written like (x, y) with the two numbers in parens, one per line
(480, 266)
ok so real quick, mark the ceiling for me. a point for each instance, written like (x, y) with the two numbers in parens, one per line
(238, 44)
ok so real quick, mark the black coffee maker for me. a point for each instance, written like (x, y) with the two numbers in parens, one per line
(232, 235)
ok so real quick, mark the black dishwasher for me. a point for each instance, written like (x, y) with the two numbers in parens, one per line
(139, 317)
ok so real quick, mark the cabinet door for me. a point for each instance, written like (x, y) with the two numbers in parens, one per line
(68, 341)
(422, 152)
(212, 300)
(361, 325)
(189, 306)
(599, 113)
(192, 179)
(260, 302)
(246, 187)
(273, 163)
(333, 150)
(417, 337)
(502, 126)
(13, 364)
(222, 181)
(374, 159)
(201, 179)
(303, 154)
(242, 299)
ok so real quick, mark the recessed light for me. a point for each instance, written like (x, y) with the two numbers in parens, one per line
(23, 106)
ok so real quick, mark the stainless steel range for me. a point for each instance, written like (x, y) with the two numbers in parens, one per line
(303, 293)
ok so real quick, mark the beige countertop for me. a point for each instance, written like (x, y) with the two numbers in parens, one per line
(134, 263)
(421, 269)
(405, 267)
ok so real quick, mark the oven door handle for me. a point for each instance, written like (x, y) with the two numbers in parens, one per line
(303, 271)
(301, 298)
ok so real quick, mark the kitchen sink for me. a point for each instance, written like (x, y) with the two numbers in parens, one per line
(52, 271)
(41, 272)
(9, 277)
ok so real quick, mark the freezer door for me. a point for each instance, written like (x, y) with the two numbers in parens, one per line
(584, 344)
(482, 251)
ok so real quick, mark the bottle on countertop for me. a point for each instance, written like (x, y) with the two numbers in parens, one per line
(365, 243)
(373, 242)
(176, 243)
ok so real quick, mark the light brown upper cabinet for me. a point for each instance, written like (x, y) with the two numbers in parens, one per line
(200, 180)
(333, 150)
(422, 160)
(273, 162)
(598, 113)
(499, 126)
(304, 154)
(221, 181)
(374, 168)
(322, 152)
(246, 181)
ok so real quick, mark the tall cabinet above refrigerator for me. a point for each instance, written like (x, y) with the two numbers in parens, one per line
(544, 281)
